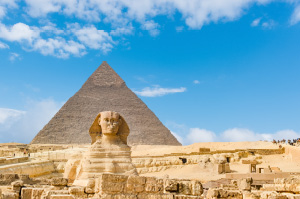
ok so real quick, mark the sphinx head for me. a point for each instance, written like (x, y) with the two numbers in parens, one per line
(109, 123)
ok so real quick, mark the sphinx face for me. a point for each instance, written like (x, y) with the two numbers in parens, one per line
(109, 122)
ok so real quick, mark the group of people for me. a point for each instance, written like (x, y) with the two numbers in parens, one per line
(294, 142)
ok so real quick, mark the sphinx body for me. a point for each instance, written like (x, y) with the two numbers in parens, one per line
(109, 152)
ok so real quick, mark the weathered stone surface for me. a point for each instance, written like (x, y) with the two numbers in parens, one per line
(104, 90)
(37, 193)
(62, 197)
(59, 181)
(26, 193)
(221, 193)
(90, 188)
(245, 184)
(10, 195)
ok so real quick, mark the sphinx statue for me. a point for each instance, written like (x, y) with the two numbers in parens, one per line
(109, 152)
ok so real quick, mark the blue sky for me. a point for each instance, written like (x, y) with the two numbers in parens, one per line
(210, 70)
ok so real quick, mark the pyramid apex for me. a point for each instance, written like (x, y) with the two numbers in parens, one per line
(105, 75)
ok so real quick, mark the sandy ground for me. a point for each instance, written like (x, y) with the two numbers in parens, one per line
(155, 150)
(284, 161)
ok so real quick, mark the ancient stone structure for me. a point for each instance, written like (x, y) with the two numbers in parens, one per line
(104, 90)
(109, 152)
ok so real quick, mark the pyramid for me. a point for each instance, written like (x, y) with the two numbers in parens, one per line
(105, 90)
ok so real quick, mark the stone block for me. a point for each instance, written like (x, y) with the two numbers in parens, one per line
(245, 184)
(62, 197)
(119, 196)
(111, 184)
(26, 193)
(184, 187)
(90, 188)
(154, 185)
(171, 185)
(59, 181)
(76, 190)
(154, 196)
(37, 193)
(227, 168)
(135, 184)
(197, 188)
(16, 186)
(10, 195)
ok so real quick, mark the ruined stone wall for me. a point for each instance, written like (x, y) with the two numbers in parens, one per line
(108, 186)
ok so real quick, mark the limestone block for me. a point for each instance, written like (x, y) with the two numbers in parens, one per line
(26, 193)
(249, 195)
(62, 197)
(16, 186)
(59, 181)
(154, 196)
(187, 197)
(118, 196)
(227, 168)
(76, 190)
(184, 187)
(90, 188)
(268, 187)
(154, 185)
(234, 195)
(7, 179)
(245, 184)
(212, 193)
(10, 195)
(37, 193)
(110, 183)
(197, 188)
(135, 184)
(171, 185)
(221, 193)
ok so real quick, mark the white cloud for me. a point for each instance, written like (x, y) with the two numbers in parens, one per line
(4, 5)
(152, 27)
(22, 126)
(59, 47)
(196, 13)
(268, 24)
(196, 82)
(122, 31)
(9, 114)
(3, 45)
(255, 22)
(37, 8)
(92, 37)
(200, 135)
(179, 28)
(13, 56)
(19, 32)
(195, 135)
(158, 91)
(295, 18)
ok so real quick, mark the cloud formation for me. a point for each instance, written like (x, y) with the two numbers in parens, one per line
(195, 135)
(119, 17)
(295, 16)
(157, 91)
(22, 126)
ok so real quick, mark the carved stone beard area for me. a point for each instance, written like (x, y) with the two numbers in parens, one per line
(106, 159)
